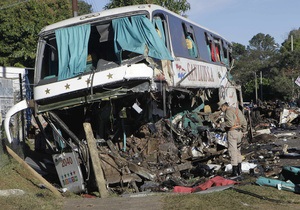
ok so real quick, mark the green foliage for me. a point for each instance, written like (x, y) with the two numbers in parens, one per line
(84, 8)
(20, 24)
(279, 67)
(283, 85)
(262, 47)
(121, 3)
(262, 42)
(177, 6)
(239, 50)
(288, 43)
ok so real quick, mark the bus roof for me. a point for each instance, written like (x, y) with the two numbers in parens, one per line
(115, 11)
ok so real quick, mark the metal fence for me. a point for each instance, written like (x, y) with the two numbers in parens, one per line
(14, 87)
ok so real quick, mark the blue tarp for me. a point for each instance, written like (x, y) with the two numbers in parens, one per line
(281, 185)
(288, 180)
(72, 43)
(137, 36)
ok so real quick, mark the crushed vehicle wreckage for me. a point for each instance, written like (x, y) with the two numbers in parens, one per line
(161, 152)
(193, 160)
(161, 156)
(145, 106)
(139, 155)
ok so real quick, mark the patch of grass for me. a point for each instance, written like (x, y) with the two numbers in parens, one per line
(14, 176)
(233, 200)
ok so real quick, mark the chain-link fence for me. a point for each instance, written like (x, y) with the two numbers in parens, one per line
(15, 85)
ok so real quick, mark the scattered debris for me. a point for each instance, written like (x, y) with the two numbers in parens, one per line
(176, 154)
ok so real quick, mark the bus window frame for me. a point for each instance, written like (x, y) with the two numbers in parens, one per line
(218, 45)
(164, 20)
(210, 44)
(188, 30)
(226, 52)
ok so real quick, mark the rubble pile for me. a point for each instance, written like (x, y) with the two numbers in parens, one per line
(186, 150)
(174, 150)
(274, 146)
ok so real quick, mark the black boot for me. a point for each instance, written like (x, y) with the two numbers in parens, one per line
(239, 169)
(234, 171)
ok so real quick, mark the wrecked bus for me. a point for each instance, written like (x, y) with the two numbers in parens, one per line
(119, 70)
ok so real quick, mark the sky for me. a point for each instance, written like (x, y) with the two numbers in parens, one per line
(239, 20)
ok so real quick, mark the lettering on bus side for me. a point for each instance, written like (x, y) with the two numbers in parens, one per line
(201, 73)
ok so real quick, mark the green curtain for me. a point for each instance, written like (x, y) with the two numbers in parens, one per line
(158, 24)
(137, 36)
(72, 44)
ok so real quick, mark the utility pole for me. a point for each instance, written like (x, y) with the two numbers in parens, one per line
(255, 78)
(292, 49)
(292, 43)
(75, 8)
(261, 86)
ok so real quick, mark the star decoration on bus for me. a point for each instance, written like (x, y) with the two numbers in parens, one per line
(47, 91)
(109, 76)
(67, 86)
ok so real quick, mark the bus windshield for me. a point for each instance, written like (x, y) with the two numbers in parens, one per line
(75, 50)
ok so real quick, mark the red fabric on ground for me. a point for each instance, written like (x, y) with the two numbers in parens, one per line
(214, 182)
(180, 189)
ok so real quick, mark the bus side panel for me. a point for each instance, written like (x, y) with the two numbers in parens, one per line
(191, 73)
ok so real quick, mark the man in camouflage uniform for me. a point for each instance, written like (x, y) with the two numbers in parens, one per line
(236, 127)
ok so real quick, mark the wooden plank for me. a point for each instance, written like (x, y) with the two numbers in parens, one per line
(33, 172)
(101, 183)
(121, 162)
